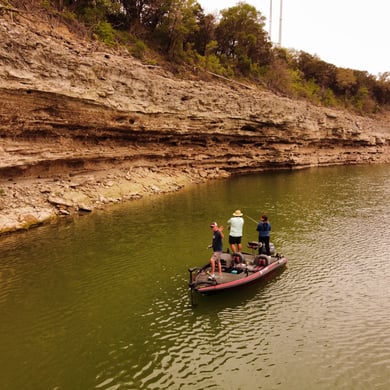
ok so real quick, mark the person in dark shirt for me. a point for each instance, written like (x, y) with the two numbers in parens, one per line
(264, 228)
(217, 246)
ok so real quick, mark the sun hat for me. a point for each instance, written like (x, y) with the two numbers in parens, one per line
(238, 213)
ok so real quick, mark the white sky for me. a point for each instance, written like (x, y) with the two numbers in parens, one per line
(351, 34)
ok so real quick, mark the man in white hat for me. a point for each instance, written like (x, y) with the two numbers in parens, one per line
(236, 224)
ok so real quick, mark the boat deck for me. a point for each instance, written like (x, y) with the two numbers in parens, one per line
(238, 269)
(225, 277)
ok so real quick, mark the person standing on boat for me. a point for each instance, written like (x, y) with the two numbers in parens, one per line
(217, 246)
(236, 224)
(264, 228)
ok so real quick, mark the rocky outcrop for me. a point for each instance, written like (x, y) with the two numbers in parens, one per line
(82, 126)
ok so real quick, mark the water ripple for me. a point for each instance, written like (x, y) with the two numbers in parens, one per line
(87, 307)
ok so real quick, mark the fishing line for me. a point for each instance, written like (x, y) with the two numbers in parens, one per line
(256, 222)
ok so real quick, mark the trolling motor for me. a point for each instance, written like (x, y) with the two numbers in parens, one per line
(191, 271)
(191, 285)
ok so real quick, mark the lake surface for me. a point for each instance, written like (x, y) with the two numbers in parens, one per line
(102, 302)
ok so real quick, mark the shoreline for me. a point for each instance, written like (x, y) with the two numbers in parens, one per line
(28, 203)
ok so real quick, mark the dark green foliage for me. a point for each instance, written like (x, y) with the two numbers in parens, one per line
(241, 37)
(139, 49)
(105, 32)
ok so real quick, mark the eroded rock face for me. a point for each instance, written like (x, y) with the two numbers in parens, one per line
(70, 108)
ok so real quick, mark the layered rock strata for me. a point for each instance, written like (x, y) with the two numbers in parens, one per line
(82, 126)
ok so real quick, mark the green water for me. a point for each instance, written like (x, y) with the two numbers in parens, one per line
(102, 302)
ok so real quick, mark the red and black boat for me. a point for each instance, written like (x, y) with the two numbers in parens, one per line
(238, 269)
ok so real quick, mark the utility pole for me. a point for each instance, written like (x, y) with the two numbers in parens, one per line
(280, 23)
(270, 20)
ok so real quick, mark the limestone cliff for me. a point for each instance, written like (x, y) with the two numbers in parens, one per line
(82, 125)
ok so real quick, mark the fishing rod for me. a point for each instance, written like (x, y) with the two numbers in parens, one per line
(256, 222)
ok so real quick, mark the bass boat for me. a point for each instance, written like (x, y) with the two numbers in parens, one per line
(238, 269)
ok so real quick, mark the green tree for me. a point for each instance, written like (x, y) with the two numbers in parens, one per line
(313, 68)
(345, 81)
(179, 23)
(144, 15)
(205, 33)
(381, 89)
(241, 36)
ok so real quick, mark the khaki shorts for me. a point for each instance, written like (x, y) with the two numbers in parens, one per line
(216, 256)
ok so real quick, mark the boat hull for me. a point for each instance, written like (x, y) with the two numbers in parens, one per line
(202, 283)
